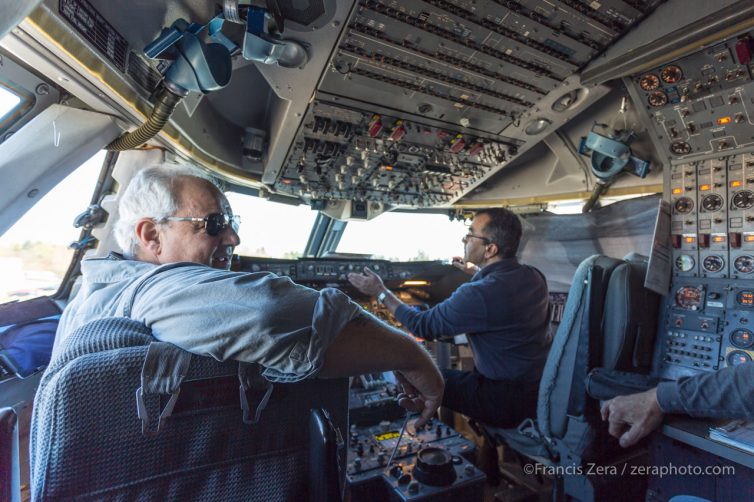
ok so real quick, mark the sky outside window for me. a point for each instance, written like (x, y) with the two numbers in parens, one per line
(8, 101)
(405, 237)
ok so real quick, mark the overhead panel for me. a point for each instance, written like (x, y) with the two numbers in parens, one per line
(415, 102)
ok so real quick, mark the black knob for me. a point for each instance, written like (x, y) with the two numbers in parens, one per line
(434, 466)
(404, 479)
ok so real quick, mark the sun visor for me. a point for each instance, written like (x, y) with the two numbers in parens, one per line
(44, 152)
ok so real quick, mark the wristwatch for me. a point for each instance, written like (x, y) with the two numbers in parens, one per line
(381, 297)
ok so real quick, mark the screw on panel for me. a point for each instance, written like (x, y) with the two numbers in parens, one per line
(42, 89)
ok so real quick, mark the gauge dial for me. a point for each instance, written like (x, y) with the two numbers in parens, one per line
(712, 202)
(738, 357)
(742, 338)
(744, 264)
(657, 98)
(713, 263)
(689, 297)
(743, 199)
(649, 82)
(684, 205)
(745, 298)
(684, 263)
(680, 148)
(671, 74)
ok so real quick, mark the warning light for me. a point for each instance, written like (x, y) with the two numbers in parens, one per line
(724, 120)
(746, 298)
(387, 168)
(705, 187)
(718, 238)
(677, 191)
(748, 237)
(735, 184)
(689, 239)
(415, 283)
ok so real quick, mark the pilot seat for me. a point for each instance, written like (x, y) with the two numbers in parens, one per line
(602, 348)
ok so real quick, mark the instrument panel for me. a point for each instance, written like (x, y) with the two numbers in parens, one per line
(708, 325)
(701, 105)
(701, 110)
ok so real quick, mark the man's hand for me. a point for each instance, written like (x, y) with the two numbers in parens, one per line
(464, 266)
(632, 417)
(368, 283)
(422, 392)
(368, 345)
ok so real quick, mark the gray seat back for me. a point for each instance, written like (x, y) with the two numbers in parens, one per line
(562, 398)
(88, 442)
(629, 322)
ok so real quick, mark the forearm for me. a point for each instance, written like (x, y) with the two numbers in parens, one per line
(367, 345)
(722, 394)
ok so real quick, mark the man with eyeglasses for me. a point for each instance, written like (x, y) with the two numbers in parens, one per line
(502, 311)
(177, 232)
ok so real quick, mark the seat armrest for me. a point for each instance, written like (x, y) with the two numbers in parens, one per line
(603, 384)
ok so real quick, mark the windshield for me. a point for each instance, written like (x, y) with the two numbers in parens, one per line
(405, 237)
(36, 251)
(8, 101)
(270, 229)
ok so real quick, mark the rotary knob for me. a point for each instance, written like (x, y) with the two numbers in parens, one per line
(434, 466)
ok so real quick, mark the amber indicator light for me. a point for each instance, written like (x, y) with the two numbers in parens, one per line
(718, 238)
(677, 191)
(724, 120)
(705, 187)
(689, 239)
(736, 184)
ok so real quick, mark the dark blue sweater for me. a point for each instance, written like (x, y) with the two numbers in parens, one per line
(503, 311)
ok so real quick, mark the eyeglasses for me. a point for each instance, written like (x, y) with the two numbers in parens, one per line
(213, 223)
(468, 236)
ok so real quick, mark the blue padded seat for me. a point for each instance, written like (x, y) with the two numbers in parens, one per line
(88, 440)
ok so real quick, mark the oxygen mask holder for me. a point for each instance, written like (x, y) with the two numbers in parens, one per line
(610, 149)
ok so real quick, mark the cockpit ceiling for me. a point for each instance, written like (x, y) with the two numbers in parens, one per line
(412, 103)
(414, 106)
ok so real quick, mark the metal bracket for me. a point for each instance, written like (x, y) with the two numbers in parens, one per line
(260, 46)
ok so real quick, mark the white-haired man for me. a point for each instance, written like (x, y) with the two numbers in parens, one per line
(177, 215)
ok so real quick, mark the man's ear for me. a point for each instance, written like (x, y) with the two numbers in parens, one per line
(491, 250)
(148, 234)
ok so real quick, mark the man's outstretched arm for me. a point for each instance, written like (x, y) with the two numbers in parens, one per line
(721, 394)
(367, 345)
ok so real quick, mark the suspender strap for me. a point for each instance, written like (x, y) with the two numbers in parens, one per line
(165, 367)
(254, 388)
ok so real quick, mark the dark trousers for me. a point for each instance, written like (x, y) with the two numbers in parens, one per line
(500, 403)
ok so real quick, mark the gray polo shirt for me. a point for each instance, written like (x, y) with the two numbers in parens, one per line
(251, 317)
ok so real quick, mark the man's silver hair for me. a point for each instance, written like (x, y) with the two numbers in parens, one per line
(150, 194)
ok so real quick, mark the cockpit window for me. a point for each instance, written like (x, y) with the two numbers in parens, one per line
(36, 251)
(405, 237)
(271, 229)
(9, 101)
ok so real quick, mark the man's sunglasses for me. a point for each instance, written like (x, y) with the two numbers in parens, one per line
(213, 223)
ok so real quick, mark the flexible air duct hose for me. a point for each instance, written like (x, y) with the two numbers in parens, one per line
(165, 103)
